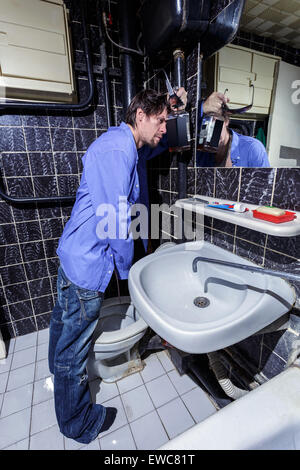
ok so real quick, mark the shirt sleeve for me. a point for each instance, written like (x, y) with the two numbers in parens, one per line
(109, 177)
(258, 156)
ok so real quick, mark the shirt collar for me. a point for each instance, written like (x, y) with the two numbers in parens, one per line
(128, 131)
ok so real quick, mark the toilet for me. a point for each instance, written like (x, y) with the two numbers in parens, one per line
(114, 353)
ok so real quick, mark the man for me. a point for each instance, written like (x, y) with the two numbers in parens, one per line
(234, 149)
(88, 261)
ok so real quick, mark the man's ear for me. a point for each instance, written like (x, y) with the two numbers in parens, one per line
(139, 115)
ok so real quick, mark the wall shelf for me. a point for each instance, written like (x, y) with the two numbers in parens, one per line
(244, 219)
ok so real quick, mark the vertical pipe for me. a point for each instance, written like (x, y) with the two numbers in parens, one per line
(104, 68)
(127, 14)
(179, 80)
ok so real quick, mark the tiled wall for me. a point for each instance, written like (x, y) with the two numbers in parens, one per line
(41, 156)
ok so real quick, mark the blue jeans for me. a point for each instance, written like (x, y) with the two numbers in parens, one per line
(73, 321)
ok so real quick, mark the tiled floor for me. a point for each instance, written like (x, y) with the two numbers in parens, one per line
(156, 399)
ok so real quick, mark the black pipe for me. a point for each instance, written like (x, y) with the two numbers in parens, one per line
(64, 107)
(104, 66)
(127, 14)
(179, 80)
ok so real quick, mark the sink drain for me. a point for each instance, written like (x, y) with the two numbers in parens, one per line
(201, 302)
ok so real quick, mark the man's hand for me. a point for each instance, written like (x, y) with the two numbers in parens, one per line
(182, 94)
(213, 104)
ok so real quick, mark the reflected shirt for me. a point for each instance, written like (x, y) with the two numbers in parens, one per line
(245, 151)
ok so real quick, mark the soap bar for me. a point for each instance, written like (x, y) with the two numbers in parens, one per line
(270, 210)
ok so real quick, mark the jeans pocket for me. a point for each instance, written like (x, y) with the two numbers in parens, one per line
(90, 302)
(62, 291)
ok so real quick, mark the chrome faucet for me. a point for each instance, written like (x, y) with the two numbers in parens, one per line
(271, 272)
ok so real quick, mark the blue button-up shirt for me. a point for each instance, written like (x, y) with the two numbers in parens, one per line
(245, 151)
(109, 172)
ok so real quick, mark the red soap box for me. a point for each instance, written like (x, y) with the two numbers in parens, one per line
(276, 219)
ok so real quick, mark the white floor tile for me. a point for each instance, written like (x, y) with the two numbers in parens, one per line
(5, 363)
(182, 383)
(121, 439)
(101, 391)
(198, 404)
(42, 351)
(42, 390)
(3, 381)
(70, 444)
(14, 428)
(92, 445)
(22, 376)
(130, 382)
(42, 369)
(10, 345)
(137, 403)
(23, 358)
(49, 439)
(175, 417)
(21, 445)
(17, 400)
(153, 368)
(164, 358)
(43, 336)
(161, 390)
(148, 432)
(26, 341)
(43, 416)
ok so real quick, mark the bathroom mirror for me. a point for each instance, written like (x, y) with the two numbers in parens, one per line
(264, 53)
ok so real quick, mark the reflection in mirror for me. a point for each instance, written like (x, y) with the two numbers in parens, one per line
(268, 133)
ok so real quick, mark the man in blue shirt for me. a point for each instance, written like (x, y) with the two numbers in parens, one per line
(234, 149)
(88, 256)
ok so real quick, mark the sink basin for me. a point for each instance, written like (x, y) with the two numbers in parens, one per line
(207, 310)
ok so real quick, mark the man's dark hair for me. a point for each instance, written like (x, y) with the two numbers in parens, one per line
(150, 101)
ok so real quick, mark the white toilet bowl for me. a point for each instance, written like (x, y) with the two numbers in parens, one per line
(114, 353)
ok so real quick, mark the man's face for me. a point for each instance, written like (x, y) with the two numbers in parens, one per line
(151, 128)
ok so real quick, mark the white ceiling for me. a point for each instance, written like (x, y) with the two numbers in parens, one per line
(277, 19)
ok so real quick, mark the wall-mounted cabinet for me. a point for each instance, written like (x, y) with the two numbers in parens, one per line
(237, 68)
(35, 53)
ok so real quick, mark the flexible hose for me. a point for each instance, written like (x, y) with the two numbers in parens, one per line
(222, 376)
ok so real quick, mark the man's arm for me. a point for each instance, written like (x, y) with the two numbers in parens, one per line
(108, 179)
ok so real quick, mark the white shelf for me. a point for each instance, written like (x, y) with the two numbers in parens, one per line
(244, 219)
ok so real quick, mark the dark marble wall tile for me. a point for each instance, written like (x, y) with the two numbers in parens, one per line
(249, 251)
(205, 181)
(16, 293)
(38, 139)
(287, 189)
(12, 139)
(20, 187)
(41, 163)
(191, 181)
(223, 240)
(10, 254)
(65, 163)
(15, 164)
(227, 183)
(256, 185)
(253, 236)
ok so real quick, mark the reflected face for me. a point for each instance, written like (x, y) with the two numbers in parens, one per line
(151, 128)
(224, 134)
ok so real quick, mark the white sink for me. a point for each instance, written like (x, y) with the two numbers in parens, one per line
(236, 304)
